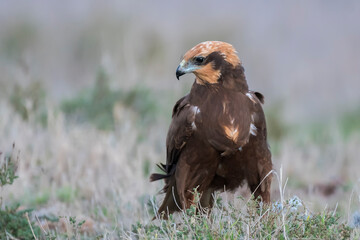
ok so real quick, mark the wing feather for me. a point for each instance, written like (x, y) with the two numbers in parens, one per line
(232, 129)
(180, 131)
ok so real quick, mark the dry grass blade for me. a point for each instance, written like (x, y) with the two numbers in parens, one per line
(32, 230)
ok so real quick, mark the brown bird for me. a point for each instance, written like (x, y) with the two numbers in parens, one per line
(217, 138)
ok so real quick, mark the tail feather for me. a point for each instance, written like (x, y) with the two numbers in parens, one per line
(171, 200)
(161, 166)
(157, 176)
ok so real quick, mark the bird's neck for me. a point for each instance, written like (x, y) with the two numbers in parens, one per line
(234, 79)
(231, 80)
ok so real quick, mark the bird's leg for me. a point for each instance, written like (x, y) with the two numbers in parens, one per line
(265, 170)
(262, 188)
(207, 201)
(255, 191)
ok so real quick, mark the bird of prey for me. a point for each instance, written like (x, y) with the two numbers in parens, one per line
(217, 138)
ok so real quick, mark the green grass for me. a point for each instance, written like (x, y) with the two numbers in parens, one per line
(288, 220)
(66, 194)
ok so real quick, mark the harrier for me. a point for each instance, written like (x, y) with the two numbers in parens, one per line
(217, 138)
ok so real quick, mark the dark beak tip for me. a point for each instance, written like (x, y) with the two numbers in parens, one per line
(179, 73)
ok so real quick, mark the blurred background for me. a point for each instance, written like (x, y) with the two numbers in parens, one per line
(87, 88)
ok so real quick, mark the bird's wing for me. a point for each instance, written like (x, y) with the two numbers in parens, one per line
(180, 130)
(235, 124)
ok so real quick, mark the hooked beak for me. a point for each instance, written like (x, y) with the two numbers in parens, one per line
(179, 72)
(185, 67)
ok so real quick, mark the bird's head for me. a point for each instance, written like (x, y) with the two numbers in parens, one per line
(209, 61)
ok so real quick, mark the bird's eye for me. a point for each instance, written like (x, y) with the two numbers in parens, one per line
(199, 60)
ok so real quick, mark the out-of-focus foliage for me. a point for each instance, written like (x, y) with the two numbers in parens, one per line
(66, 194)
(277, 128)
(30, 101)
(17, 40)
(96, 105)
(350, 123)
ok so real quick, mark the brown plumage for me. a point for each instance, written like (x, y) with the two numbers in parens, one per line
(217, 138)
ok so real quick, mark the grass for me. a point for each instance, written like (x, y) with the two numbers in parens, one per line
(279, 221)
(87, 181)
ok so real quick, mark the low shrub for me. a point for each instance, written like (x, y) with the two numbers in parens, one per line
(14, 223)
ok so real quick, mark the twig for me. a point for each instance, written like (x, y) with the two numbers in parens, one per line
(258, 220)
(281, 192)
(37, 219)
(173, 194)
(9, 236)
(349, 207)
(32, 230)
(334, 212)
(252, 194)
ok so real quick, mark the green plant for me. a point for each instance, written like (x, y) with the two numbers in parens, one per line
(14, 223)
(7, 170)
